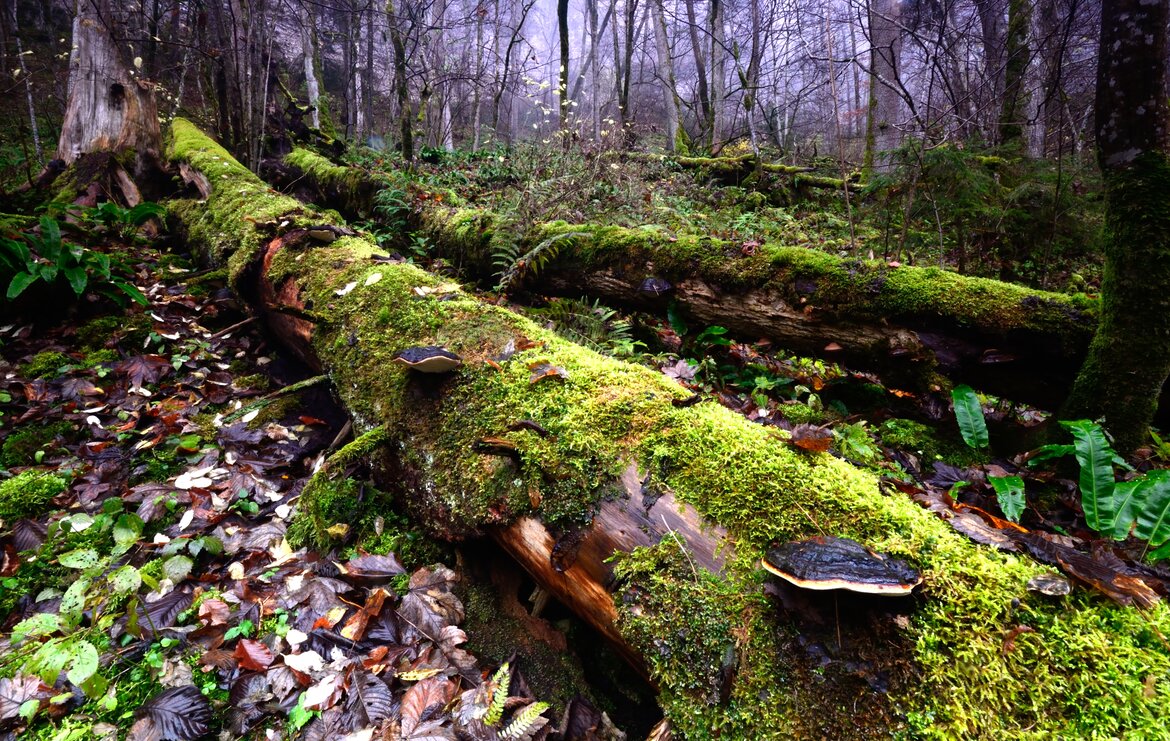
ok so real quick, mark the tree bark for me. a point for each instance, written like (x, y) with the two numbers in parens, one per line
(885, 104)
(563, 73)
(401, 85)
(109, 109)
(1018, 56)
(700, 66)
(665, 73)
(606, 460)
(1129, 359)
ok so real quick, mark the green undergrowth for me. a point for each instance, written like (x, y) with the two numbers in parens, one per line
(21, 446)
(28, 493)
(1090, 668)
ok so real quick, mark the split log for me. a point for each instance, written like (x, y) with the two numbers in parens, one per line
(606, 461)
(914, 326)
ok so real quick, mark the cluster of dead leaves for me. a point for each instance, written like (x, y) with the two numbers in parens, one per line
(331, 645)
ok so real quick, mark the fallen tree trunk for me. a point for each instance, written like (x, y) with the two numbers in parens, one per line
(605, 460)
(912, 325)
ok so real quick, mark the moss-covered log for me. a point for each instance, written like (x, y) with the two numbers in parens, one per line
(611, 463)
(910, 324)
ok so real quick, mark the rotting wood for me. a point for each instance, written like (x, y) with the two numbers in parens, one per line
(725, 655)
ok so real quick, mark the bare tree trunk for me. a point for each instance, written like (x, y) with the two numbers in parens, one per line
(718, 73)
(885, 104)
(108, 109)
(368, 72)
(991, 21)
(700, 65)
(563, 73)
(1129, 358)
(34, 127)
(1018, 55)
(594, 68)
(401, 84)
(666, 74)
(477, 83)
(309, 52)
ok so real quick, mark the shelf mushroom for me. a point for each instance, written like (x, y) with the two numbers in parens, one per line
(825, 562)
(428, 359)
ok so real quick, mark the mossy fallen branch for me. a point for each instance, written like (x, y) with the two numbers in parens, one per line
(952, 662)
(914, 325)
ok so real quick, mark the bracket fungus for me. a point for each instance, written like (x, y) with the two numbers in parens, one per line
(824, 562)
(428, 359)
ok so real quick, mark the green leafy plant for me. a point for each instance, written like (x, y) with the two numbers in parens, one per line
(47, 258)
(119, 220)
(969, 413)
(593, 325)
(1140, 505)
(1009, 492)
(512, 264)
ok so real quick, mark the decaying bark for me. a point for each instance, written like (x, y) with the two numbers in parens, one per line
(110, 109)
(569, 458)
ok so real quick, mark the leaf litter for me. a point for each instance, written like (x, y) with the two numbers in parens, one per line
(234, 630)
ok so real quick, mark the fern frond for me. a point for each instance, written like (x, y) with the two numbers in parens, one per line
(532, 261)
(501, 681)
(525, 723)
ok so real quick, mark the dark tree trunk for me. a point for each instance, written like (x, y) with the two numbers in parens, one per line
(1129, 358)
(1015, 97)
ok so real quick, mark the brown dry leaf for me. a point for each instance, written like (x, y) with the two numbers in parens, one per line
(214, 612)
(421, 697)
(355, 627)
(1105, 577)
(1009, 642)
(543, 370)
(811, 438)
(371, 569)
(430, 605)
(253, 655)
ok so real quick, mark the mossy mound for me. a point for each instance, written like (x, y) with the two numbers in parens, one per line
(45, 364)
(28, 494)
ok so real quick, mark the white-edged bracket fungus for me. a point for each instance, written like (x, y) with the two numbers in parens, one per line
(825, 562)
(428, 359)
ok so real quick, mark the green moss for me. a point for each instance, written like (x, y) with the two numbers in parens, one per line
(802, 414)
(398, 536)
(45, 364)
(28, 494)
(21, 445)
(495, 635)
(95, 358)
(927, 443)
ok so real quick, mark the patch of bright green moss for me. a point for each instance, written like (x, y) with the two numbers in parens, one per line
(45, 364)
(28, 494)
(926, 442)
(21, 445)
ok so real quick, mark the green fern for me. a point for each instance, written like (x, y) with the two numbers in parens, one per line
(525, 723)
(593, 325)
(513, 265)
(501, 681)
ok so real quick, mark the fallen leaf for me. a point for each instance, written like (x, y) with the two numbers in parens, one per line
(253, 655)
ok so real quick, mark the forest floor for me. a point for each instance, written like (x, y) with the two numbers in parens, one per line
(155, 580)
